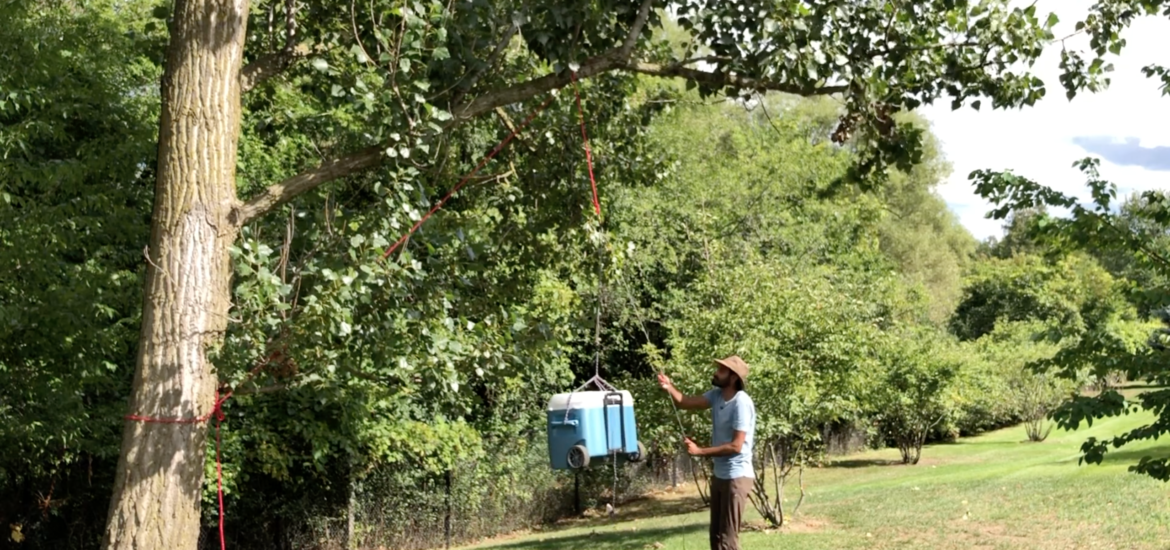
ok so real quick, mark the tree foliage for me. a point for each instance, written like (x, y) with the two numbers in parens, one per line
(1128, 240)
(1073, 294)
(917, 390)
(1104, 343)
(77, 148)
(744, 252)
(921, 234)
(1003, 387)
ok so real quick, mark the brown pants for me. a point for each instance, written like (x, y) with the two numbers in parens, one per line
(728, 497)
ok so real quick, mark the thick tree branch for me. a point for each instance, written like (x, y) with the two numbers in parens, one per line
(286, 190)
(532, 88)
(614, 59)
(280, 193)
(608, 61)
(731, 80)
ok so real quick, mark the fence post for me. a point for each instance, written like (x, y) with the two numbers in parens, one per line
(674, 471)
(447, 519)
(350, 539)
(577, 492)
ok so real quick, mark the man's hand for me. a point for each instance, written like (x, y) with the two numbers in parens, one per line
(733, 447)
(665, 383)
(690, 403)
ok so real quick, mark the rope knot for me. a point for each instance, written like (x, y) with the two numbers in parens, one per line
(217, 407)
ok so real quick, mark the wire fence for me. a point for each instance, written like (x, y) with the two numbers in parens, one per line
(406, 510)
(507, 491)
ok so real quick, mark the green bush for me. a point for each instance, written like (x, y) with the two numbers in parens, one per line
(918, 390)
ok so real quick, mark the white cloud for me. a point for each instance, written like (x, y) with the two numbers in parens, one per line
(1037, 142)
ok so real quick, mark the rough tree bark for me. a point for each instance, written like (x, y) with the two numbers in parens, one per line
(155, 503)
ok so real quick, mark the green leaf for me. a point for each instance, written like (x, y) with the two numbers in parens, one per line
(359, 54)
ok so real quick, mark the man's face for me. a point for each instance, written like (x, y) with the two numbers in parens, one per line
(722, 377)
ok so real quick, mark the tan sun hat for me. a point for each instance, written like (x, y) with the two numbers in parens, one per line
(737, 365)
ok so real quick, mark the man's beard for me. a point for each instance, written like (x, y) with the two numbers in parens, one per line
(720, 383)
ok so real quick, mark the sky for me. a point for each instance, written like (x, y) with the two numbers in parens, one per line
(1127, 126)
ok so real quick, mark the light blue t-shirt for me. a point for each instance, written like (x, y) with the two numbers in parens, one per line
(727, 417)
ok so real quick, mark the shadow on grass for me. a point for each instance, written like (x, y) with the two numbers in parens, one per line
(1134, 455)
(864, 463)
(642, 508)
(976, 441)
(639, 539)
(1122, 457)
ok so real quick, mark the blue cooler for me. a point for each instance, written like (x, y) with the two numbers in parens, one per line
(591, 424)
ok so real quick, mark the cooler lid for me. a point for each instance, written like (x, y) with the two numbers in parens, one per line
(585, 400)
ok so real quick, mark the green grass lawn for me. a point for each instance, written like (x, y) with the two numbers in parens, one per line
(992, 491)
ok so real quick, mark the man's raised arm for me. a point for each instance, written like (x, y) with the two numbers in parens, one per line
(687, 402)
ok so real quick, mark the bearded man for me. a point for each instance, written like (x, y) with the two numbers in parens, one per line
(733, 426)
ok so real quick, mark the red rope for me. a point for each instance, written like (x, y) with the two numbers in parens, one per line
(499, 147)
(585, 139)
(219, 472)
(217, 413)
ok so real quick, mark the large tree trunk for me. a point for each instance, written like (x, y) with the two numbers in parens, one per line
(156, 499)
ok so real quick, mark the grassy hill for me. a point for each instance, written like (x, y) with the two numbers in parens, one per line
(992, 491)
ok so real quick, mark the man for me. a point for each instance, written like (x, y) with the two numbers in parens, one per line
(733, 419)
